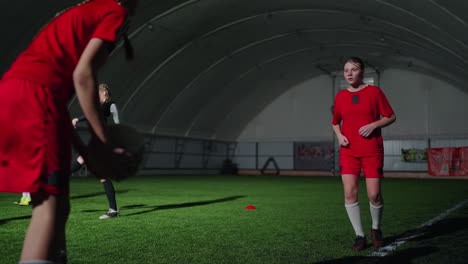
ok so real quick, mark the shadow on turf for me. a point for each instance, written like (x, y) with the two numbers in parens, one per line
(405, 256)
(96, 194)
(175, 206)
(139, 206)
(4, 221)
(443, 227)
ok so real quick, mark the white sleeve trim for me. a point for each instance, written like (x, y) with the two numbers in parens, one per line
(115, 113)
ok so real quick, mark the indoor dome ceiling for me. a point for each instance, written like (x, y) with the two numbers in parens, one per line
(206, 68)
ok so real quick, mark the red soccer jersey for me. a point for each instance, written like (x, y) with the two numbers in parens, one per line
(53, 55)
(356, 109)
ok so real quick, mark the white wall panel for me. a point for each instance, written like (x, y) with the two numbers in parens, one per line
(448, 110)
(191, 161)
(193, 146)
(284, 163)
(408, 96)
(246, 162)
(245, 148)
(215, 162)
(275, 148)
(394, 163)
(425, 107)
(449, 143)
(164, 144)
(156, 160)
(302, 113)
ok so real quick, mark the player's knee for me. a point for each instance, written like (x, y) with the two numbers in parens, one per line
(351, 196)
(375, 198)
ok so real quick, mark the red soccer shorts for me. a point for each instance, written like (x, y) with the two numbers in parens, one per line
(35, 138)
(371, 165)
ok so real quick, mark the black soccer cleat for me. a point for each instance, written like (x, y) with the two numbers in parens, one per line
(376, 236)
(359, 243)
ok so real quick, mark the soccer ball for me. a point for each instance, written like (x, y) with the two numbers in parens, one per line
(105, 163)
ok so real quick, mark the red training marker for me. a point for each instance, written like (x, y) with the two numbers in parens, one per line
(250, 207)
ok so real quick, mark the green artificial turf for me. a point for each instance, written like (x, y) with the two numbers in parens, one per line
(201, 219)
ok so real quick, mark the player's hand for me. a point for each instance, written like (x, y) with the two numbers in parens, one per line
(343, 140)
(74, 122)
(122, 152)
(102, 159)
(107, 161)
(367, 130)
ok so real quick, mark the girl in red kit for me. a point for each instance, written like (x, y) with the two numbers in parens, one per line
(359, 114)
(35, 149)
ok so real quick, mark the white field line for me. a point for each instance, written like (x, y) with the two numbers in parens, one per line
(383, 251)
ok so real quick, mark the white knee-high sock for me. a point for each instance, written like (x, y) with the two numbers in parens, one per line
(376, 214)
(354, 214)
(27, 195)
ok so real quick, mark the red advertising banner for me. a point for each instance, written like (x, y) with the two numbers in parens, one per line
(447, 161)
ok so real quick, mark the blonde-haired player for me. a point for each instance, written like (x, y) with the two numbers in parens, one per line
(108, 108)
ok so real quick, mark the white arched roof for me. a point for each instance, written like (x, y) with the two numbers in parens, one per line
(205, 68)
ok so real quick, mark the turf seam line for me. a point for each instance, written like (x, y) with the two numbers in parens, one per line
(383, 251)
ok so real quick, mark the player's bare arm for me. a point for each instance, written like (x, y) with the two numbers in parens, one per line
(84, 80)
(341, 138)
(367, 130)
